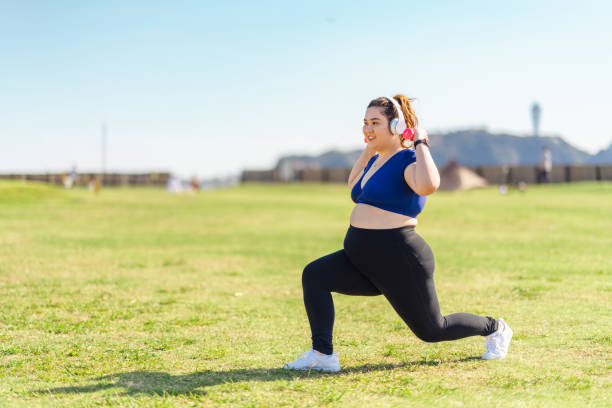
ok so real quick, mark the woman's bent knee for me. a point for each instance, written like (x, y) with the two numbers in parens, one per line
(431, 334)
(430, 337)
(310, 274)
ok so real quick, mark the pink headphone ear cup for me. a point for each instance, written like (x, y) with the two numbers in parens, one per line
(408, 134)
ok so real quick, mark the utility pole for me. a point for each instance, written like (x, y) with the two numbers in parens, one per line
(103, 152)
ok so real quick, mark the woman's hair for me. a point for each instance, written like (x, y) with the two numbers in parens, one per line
(390, 112)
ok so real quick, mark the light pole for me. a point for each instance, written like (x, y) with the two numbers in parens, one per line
(103, 152)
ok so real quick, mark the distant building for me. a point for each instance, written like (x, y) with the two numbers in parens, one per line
(456, 177)
(288, 168)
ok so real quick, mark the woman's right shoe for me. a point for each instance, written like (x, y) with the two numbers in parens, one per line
(313, 361)
(497, 343)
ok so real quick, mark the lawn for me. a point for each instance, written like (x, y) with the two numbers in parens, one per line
(136, 297)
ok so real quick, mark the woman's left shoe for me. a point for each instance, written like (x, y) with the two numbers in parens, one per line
(497, 343)
(314, 361)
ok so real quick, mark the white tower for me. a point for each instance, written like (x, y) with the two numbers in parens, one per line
(535, 118)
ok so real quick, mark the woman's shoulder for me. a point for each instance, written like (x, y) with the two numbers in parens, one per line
(409, 155)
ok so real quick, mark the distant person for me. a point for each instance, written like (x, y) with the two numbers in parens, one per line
(195, 184)
(70, 179)
(174, 185)
(66, 181)
(94, 185)
(73, 175)
(383, 255)
(544, 166)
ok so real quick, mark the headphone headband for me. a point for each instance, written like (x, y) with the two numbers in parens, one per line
(400, 113)
(397, 126)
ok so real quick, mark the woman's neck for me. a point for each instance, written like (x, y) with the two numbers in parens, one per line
(385, 154)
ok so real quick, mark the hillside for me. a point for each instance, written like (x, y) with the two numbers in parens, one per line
(470, 148)
(603, 157)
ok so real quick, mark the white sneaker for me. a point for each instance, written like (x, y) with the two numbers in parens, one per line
(314, 361)
(497, 343)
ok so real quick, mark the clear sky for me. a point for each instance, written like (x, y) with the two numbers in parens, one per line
(209, 88)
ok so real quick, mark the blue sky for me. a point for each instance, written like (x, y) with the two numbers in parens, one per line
(210, 88)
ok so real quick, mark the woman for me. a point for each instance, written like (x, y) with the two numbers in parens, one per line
(382, 252)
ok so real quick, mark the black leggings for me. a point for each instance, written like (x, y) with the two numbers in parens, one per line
(396, 263)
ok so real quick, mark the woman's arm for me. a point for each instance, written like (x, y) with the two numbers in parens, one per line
(359, 166)
(422, 176)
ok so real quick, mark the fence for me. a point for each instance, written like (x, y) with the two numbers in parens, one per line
(493, 175)
(558, 174)
(108, 179)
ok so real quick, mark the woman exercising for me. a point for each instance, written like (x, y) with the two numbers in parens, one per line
(382, 252)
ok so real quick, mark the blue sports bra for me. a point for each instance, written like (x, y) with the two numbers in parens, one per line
(387, 188)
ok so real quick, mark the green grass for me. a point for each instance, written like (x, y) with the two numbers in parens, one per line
(135, 297)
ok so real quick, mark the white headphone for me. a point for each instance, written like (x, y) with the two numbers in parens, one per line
(397, 126)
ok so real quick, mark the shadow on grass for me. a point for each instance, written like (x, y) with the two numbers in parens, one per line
(160, 383)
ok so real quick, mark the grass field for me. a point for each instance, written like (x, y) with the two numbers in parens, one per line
(135, 297)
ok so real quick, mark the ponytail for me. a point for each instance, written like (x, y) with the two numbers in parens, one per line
(411, 119)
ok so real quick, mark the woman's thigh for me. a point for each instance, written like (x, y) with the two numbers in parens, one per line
(335, 273)
(409, 287)
(401, 265)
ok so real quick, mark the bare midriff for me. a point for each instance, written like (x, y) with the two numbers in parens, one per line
(370, 217)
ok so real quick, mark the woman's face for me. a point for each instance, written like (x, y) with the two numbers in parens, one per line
(376, 128)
